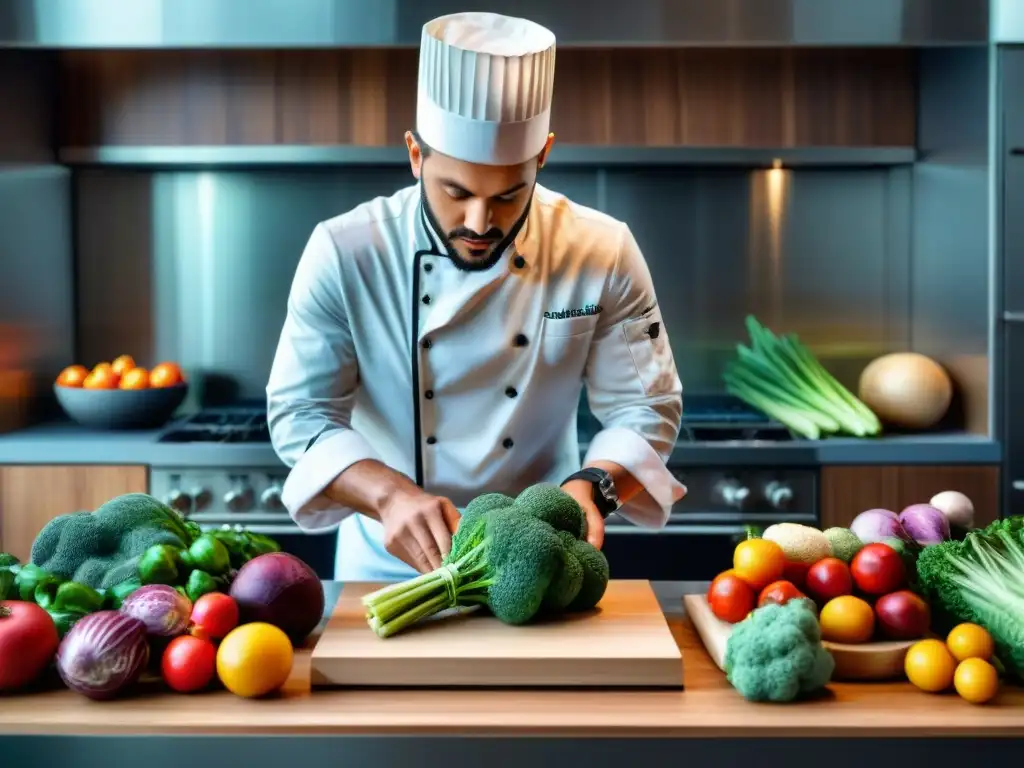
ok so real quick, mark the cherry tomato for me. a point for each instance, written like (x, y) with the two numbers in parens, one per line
(829, 578)
(758, 562)
(731, 598)
(878, 569)
(780, 592)
(188, 663)
(216, 613)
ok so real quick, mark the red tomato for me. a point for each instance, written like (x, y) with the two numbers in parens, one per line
(216, 613)
(28, 641)
(878, 569)
(188, 663)
(796, 574)
(829, 578)
(779, 592)
(731, 598)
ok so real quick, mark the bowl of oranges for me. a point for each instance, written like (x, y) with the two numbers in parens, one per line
(121, 394)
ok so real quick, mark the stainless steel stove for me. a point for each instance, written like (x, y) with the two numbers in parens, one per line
(724, 497)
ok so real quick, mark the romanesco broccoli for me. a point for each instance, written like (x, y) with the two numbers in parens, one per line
(775, 654)
(518, 557)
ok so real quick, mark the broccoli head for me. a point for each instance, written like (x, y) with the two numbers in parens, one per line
(775, 654)
(980, 580)
(518, 557)
(101, 548)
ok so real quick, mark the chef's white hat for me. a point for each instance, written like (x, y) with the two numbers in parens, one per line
(485, 85)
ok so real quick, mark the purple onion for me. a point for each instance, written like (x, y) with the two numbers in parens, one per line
(926, 524)
(102, 654)
(876, 525)
(163, 609)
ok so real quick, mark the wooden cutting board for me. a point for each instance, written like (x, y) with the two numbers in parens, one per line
(624, 642)
(867, 661)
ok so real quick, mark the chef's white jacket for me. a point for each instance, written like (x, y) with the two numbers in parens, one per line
(468, 381)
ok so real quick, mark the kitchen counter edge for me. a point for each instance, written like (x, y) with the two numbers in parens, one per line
(70, 444)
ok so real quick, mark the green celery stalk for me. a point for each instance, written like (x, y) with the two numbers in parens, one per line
(791, 417)
(781, 395)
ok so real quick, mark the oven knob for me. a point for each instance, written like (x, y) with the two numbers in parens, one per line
(271, 498)
(201, 497)
(239, 499)
(179, 500)
(732, 493)
(778, 494)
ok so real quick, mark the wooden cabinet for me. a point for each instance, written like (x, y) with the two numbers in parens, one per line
(848, 490)
(31, 496)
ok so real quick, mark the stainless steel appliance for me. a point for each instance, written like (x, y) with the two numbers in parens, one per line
(697, 543)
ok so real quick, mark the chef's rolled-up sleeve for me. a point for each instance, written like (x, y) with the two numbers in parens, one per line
(312, 387)
(633, 388)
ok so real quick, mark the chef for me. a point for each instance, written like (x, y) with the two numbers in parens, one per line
(437, 341)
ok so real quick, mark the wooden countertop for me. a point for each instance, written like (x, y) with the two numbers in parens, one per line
(708, 707)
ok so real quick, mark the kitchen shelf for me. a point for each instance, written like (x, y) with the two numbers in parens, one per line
(283, 155)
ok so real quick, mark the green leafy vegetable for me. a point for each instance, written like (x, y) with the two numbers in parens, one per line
(780, 377)
(981, 580)
(775, 654)
(519, 558)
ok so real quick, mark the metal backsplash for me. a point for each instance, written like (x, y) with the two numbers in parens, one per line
(196, 266)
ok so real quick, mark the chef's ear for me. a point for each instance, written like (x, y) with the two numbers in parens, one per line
(415, 154)
(543, 156)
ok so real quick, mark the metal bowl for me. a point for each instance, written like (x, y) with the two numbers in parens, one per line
(121, 408)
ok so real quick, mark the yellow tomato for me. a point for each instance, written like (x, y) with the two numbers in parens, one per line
(976, 680)
(254, 659)
(969, 641)
(758, 562)
(847, 619)
(929, 665)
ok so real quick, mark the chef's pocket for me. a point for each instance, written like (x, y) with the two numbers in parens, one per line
(564, 343)
(651, 353)
(569, 326)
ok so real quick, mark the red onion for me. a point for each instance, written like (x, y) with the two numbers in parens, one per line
(926, 524)
(876, 525)
(102, 654)
(163, 609)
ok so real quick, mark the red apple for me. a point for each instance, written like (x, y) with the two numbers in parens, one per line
(902, 615)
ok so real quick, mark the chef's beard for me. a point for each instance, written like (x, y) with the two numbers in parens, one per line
(477, 264)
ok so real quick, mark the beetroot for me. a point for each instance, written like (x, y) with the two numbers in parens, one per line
(280, 589)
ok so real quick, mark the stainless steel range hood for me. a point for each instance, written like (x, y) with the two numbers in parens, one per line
(360, 23)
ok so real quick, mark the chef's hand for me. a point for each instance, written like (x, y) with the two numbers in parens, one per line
(582, 491)
(418, 528)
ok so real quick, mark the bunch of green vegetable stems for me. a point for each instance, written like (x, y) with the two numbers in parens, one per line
(462, 583)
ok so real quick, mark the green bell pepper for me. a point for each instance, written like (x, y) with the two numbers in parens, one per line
(199, 584)
(7, 560)
(114, 596)
(208, 554)
(64, 621)
(67, 597)
(8, 588)
(30, 577)
(159, 565)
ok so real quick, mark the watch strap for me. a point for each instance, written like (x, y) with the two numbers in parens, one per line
(596, 476)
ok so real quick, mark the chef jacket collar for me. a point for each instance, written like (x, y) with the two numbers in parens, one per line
(428, 240)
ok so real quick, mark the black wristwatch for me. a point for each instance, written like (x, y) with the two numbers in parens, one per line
(605, 497)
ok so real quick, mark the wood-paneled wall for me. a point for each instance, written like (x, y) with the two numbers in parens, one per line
(649, 97)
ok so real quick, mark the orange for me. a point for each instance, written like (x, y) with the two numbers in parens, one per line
(123, 364)
(758, 562)
(254, 659)
(929, 665)
(135, 378)
(976, 680)
(847, 619)
(102, 377)
(72, 376)
(970, 641)
(166, 375)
